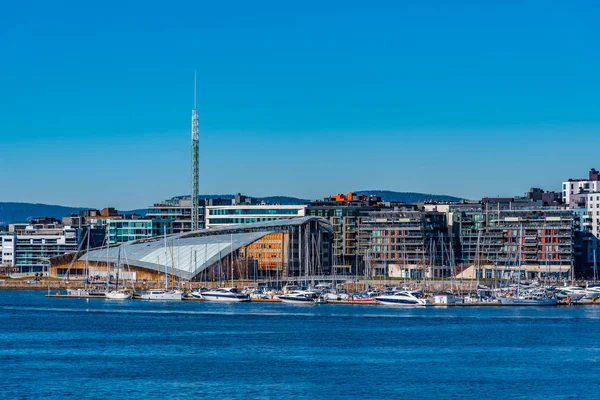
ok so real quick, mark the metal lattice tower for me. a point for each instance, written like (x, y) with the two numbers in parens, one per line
(195, 166)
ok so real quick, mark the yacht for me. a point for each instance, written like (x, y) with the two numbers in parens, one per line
(402, 299)
(529, 298)
(119, 295)
(302, 297)
(572, 294)
(162, 294)
(225, 295)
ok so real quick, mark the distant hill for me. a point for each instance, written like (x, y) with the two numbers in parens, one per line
(407, 197)
(22, 212)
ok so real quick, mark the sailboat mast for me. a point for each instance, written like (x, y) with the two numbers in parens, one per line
(166, 257)
(107, 258)
(595, 267)
(231, 257)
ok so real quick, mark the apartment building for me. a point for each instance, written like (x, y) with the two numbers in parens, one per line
(405, 244)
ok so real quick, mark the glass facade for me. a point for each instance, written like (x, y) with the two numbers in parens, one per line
(239, 220)
(120, 231)
(253, 211)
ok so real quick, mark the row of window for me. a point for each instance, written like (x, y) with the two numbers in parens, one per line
(239, 220)
(246, 211)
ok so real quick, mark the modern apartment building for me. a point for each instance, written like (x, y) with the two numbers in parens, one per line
(344, 212)
(493, 240)
(405, 244)
(582, 196)
(27, 247)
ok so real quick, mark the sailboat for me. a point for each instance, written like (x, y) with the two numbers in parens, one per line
(529, 297)
(118, 294)
(164, 294)
(96, 289)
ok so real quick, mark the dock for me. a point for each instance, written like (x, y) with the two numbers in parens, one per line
(337, 302)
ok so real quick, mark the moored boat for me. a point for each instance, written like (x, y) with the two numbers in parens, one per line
(225, 295)
(162, 294)
(406, 299)
(302, 297)
(530, 298)
(119, 295)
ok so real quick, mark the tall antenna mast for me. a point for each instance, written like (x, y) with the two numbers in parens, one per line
(195, 166)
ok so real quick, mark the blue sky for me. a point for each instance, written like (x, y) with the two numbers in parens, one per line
(302, 98)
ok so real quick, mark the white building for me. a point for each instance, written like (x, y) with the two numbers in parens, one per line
(582, 196)
(244, 214)
(576, 186)
(25, 251)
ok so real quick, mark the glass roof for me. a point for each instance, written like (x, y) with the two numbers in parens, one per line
(183, 256)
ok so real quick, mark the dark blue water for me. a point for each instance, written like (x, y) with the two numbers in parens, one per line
(73, 348)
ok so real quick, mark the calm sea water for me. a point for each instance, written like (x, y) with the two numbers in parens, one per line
(73, 348)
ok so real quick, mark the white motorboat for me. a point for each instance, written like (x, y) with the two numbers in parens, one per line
(302, 297)
(119, 295)
(86, 292)
(337, 295)
(162, 294)
(530, 298)
(225, 295)
(571, 294)
(406, 299)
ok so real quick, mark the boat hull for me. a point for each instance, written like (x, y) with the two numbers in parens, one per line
(515, 301)
(291, 300)
(118, 296)
(223, 298)
(401, 300)
(167, 296)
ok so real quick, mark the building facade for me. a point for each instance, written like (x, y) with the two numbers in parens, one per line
(494, 241)
(405, 244)
(344, 212)
(125, 230)
(27, 251)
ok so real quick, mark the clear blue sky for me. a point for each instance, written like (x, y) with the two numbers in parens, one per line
(302, 98)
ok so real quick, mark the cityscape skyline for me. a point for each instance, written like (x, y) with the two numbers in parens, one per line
(343, 99)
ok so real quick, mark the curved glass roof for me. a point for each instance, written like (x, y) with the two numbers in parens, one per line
(184, 257)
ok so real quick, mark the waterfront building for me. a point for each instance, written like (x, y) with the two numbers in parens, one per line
(405, 244)
(26, 247)
(282, 250)
(494, 240)
(344, 212)
(582, 196)
(125, 230)
(246, 214)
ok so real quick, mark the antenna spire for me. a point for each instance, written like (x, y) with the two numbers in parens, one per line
(194, 89)
(195, 166)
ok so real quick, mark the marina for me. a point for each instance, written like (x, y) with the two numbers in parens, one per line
(536, 296)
